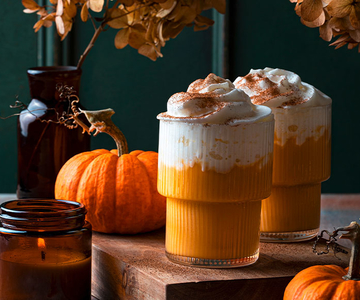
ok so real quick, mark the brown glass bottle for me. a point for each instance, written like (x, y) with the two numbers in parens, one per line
(43, 147)
(45, 250)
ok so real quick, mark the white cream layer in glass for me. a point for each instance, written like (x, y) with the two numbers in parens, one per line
(301, 123)
(300, 109)
(215, 147)
(216, 125)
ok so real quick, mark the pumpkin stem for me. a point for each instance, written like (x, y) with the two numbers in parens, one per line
(100, 121)
(353, 234)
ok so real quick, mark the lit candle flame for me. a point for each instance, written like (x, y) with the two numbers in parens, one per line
(41, 244)
(42, 247)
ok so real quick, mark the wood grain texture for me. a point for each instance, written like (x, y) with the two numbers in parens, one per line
(135, 267)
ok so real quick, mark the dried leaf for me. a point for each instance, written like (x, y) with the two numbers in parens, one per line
(96, 5)
(171, 30)
(134, 15)
(162, 13)
(326, 2)
(70, 9)
(30, 5)
(176, 11)
(29, 11)
(220, 6)
(67, 26)
(185, 15)
(340, 40)
(352, 45)
(38, 25)
(168, 4)
(355, 16)
(127, 2)
(340, 45)
(202, 23)
(326, 32)
(341, 24)
(60, 26)
(148, 51)
(84, 13)
(42, 12)
(50, 17)
(153, 31)
(122, 38)
(298, 10)
(137, 36)
(339, 8)
(119, 19)
(311, 10)
(355, 35)
(60, 8)
(316, 23)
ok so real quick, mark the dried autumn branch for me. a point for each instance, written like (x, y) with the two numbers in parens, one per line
(142, 24)
(335, 18)
(69, 118)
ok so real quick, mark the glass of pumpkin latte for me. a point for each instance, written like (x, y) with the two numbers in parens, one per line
(215, 167)
(301, 152)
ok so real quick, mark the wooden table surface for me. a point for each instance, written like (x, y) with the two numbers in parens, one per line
(135, 266)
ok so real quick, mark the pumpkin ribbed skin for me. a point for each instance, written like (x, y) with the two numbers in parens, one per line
(322, 283)
(119, 193)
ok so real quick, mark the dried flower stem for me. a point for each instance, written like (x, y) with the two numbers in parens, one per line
(98, 30)
(354, 235)
(91, 44)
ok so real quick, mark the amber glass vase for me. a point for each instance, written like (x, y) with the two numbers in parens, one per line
(44, 145)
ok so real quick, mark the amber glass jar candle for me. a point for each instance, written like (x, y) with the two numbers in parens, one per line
(45, 250)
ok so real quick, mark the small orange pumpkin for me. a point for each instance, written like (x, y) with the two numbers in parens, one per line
(119, 192)
(322, 283)
(330, 282)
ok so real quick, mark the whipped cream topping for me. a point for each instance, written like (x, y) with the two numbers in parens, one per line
(277, 88)
(213, 100)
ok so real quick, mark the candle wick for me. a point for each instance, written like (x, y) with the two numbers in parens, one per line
(43, 255)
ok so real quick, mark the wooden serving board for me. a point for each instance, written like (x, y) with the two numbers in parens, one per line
(135, 267)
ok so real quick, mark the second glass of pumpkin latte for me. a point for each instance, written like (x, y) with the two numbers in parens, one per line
(301, 152)
(215, 167)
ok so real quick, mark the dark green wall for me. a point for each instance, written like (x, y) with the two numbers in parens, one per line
(17, 54)
(260, 34)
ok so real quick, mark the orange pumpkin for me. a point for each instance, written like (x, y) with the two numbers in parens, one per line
(118, 189)
(330, 282)
(322, 283)
(119, 193)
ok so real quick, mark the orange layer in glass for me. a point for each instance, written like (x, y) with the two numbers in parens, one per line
(251, 182)
(298, 170)
(291, 209)
(212, 230)
(300, 164)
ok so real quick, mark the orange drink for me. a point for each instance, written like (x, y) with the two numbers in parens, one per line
(302, 148)
(215, 167)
